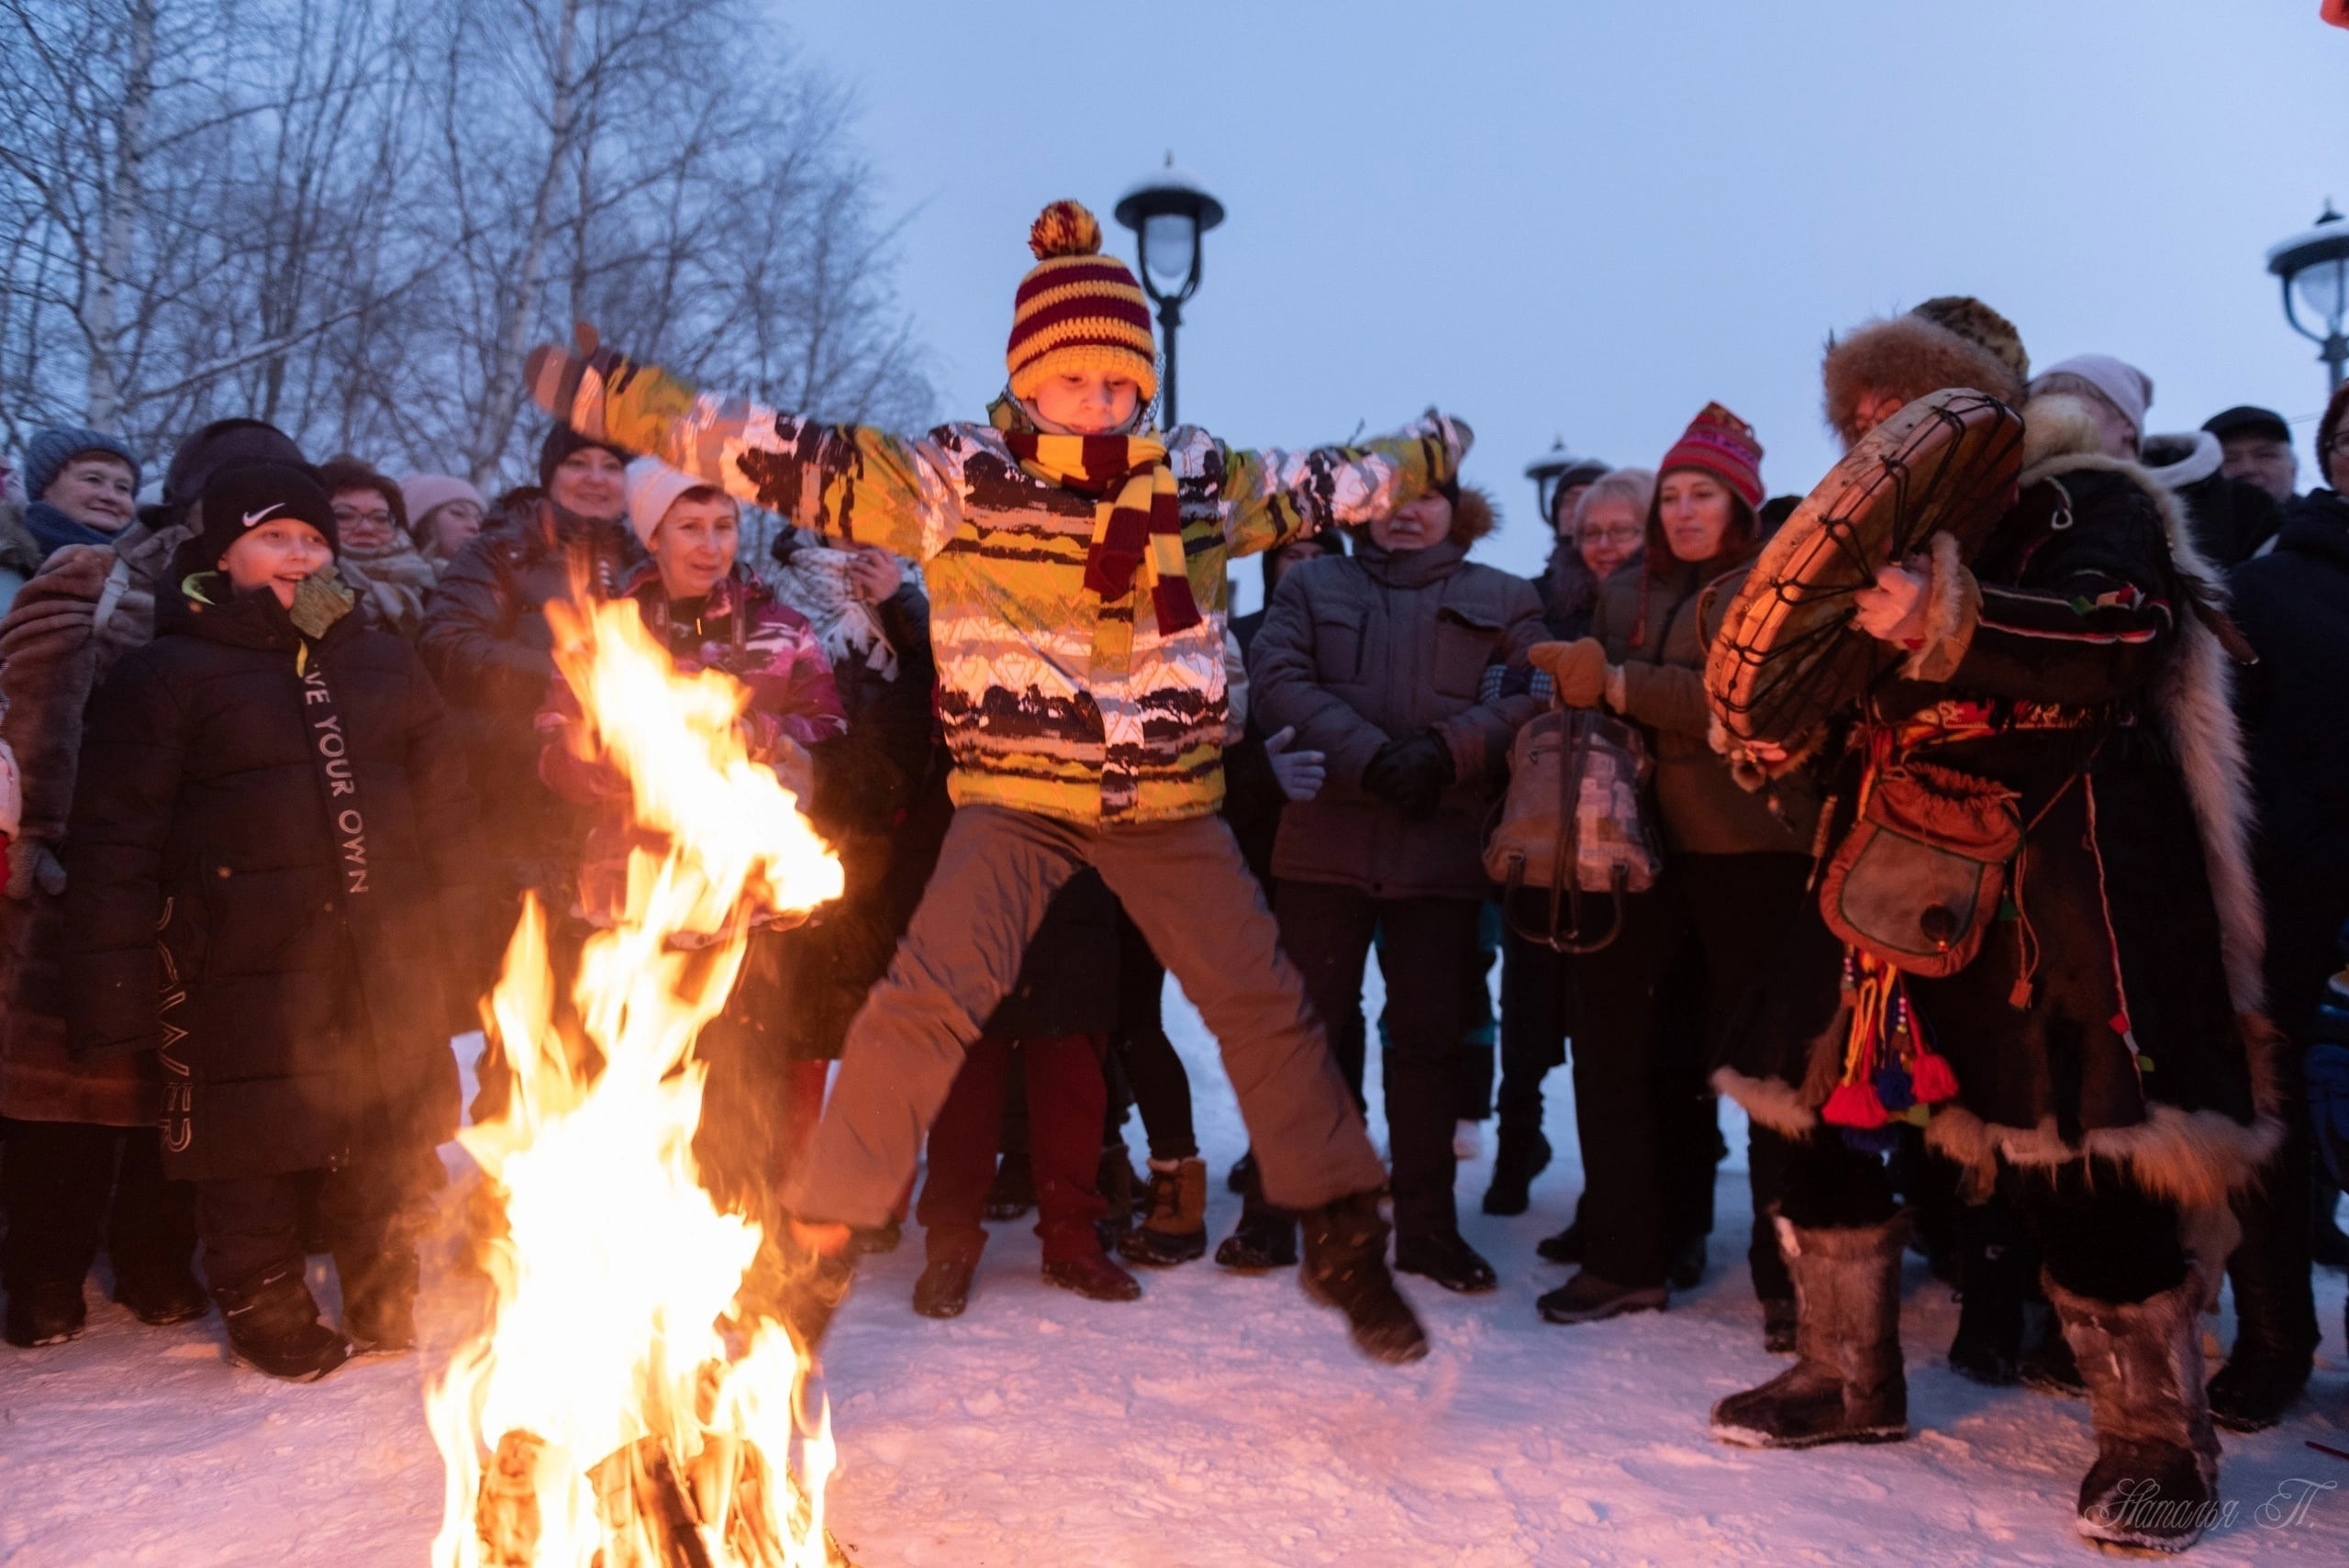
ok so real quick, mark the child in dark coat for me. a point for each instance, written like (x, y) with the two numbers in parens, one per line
(270, 814)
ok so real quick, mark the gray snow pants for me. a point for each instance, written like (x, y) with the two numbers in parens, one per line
(1186, 886)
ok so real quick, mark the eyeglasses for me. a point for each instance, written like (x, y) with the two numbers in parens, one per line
(345, 516)
(1626, 535)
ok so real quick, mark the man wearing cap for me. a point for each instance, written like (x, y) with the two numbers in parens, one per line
(2256, 445)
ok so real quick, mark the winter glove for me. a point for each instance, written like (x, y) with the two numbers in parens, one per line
(1410, 774)
(1300, 774)
(1577, 670)
(32, 864)
(605, 396)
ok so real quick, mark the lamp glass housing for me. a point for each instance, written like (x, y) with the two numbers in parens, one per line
(2322, 290)
(1170, 242)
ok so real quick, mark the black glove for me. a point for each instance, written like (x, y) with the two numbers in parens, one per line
(1410, 774)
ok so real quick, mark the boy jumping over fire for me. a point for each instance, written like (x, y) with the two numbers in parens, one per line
(1075, 558)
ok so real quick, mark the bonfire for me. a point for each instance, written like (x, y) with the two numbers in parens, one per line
(620, 1405)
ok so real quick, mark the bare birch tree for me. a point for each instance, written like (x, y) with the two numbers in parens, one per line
(353, 218)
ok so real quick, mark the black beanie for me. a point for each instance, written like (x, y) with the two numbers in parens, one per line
(213, 448)
(244, 495)
(560, 442)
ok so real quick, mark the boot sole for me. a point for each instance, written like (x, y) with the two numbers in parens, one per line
(1256, 1266)
(1188, 1249)
(1754, 1436)
(1078, 1290)
(1458, 1287)
(311, 1373)
(2133, 1543)
(1616, 1308)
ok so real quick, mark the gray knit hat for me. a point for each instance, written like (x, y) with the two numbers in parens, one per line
(49, 451)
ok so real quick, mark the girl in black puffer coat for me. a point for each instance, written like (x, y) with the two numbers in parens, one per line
(271, 787)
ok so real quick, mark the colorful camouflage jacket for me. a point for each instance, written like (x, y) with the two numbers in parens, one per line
(1055, 701)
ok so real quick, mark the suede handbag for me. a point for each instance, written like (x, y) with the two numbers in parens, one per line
(1576, 820)
(1916, 880)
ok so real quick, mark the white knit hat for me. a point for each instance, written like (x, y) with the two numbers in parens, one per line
(653, 488)
(2121, 384)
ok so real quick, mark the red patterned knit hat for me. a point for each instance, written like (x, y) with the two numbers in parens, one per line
(1719, 443)
(1078, 309)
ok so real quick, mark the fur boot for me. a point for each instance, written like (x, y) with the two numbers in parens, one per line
(1846, 1385)
(2154, 1484)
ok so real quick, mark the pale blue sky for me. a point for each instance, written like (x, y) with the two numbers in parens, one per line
(1585, 219)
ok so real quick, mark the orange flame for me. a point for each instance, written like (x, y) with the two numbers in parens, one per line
(615, 1267)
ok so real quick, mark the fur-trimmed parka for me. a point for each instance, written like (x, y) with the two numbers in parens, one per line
(2117, 1011)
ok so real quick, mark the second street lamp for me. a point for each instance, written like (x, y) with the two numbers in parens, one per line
(2314, 269)
(1168, 213)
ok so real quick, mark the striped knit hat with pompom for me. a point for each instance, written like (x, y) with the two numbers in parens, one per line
(1078, 309)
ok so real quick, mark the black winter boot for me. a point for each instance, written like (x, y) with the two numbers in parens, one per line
(162, 1296)
(379, 1300)
(1447, 1259)
(1013, 1191)
(1524, 1154)
(1265, 1237)
(2049, 1367)
(1780, 1323)
(944, 1288)
(1345, 1267)
(1996, 1265)
(2154, 1484)
(1587, 1298)
(47, 1312)
(1846, 1385)
(1565, 1247)
(1114, 1180)
(274, 1326)
(1093, 1277)
(1174, 1231)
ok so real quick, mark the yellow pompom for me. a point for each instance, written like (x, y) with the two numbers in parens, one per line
(1064, 228)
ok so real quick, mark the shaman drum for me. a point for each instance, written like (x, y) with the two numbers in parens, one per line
(1789, 655)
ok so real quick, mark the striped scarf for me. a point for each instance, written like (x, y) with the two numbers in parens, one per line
(1136, 530)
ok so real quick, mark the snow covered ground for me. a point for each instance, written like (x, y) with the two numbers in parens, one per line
(1220, 1421)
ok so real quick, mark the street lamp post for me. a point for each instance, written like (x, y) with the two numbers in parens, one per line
(1168, 212)
(2314, 269)
(1545, 470)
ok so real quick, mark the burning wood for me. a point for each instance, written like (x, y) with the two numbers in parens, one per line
(651, 1518)
(505, 1516)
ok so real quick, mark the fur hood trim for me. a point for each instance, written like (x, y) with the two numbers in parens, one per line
(1474, 516)
(2187, 458)
(1909, 356)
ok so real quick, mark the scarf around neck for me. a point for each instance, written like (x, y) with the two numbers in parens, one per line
(55, 530)
(1137, 528)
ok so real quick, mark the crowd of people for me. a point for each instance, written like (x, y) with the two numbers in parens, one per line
(286, 748)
